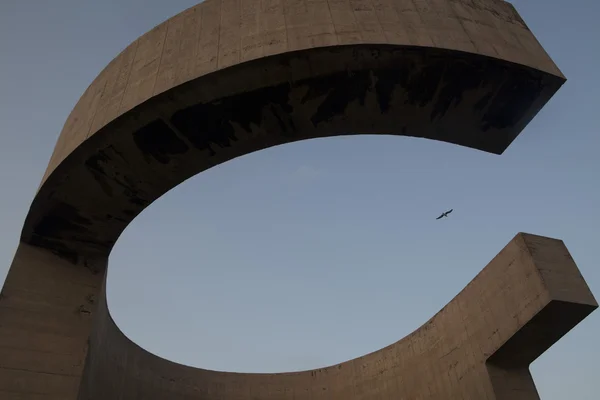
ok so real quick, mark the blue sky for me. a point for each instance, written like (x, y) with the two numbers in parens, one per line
(313, 253)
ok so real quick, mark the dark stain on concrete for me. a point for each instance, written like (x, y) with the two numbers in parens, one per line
(438, 82)
(62, 218)
(159, 141)
(422, 82)
(339, 91)
(483, 102)
(212, 124)
(419, 80)
(94, 165)
(501, 95)
(456, 79)
(204, 126)
(110, 217)
(385, 86)
(92, 267)
(513, 100)
(100, 162)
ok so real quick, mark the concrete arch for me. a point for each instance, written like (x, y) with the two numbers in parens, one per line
(226, 78)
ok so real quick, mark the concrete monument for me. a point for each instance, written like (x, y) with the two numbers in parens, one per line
(229, 77)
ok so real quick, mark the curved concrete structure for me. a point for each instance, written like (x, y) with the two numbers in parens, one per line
(226, 78)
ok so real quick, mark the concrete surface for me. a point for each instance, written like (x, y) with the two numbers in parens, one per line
(226, 78)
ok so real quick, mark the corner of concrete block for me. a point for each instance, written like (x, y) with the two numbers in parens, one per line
(559, 272)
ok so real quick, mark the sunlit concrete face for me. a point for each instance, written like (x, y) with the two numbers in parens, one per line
(226, 78)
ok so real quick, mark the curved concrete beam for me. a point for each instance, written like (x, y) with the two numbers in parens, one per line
(226, 78)
(478, 346)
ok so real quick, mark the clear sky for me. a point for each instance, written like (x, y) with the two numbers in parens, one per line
(313, 253)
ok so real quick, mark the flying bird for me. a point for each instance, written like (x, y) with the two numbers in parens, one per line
(444, 214)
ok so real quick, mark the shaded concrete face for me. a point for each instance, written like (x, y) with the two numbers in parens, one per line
(370, 89)
(226, 78)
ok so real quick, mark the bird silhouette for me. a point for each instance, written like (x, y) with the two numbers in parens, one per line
(444, 214)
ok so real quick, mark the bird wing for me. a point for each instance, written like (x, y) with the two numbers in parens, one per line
(440, 216)
(448, 212)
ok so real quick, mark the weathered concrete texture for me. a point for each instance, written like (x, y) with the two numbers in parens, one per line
(479, 346)
(217, 34)
(226, 78)
(45, 321)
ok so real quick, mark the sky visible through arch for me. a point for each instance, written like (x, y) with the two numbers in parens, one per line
(313, 253)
